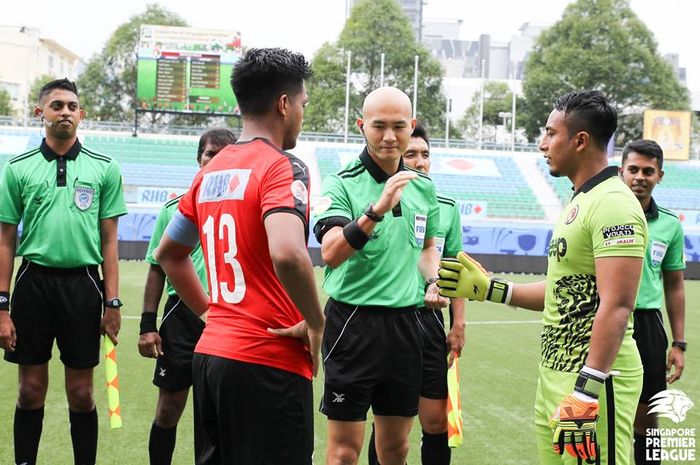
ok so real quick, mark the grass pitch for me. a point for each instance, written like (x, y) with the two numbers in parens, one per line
(498, 374)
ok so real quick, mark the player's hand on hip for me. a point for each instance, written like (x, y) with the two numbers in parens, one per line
(433, 300)
(676, 358)
(111, 323)
(150, 345)
(8, 335)
(463, 277)
(311, 338)
(574, 428)
(391, 195)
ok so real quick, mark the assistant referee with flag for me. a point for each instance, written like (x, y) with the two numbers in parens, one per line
(68, 199)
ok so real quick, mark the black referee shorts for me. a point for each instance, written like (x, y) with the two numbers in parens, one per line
(249, 414)
(652, 343)
(64, 304)
(434, 383)
(179, 331)
(372, 356)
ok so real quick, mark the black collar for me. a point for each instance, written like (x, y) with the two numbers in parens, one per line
(377, 173)
(607, 173)
(652, 212)
(50, 155)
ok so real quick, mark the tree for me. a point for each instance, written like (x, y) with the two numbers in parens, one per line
(5, 103)
(600, 44)
(108, 84)
(34, 89)
(498, 98)
(374, 27)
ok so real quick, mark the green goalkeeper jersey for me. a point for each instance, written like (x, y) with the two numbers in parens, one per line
(603, 219)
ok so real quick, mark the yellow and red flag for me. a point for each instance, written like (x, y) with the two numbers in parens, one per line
(455, 436)
(112, 377)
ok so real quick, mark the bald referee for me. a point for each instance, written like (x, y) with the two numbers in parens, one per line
(68, 199)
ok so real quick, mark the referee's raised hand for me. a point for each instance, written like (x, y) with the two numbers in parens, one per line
(391, 195)
(8, 335)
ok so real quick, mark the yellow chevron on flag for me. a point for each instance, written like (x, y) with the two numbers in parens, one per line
(112, 378)
(455, 437)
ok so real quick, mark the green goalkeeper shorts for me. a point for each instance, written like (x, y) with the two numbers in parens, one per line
(553, 386)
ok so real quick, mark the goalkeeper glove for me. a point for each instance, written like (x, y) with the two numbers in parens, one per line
(466, 278)
(574, 421)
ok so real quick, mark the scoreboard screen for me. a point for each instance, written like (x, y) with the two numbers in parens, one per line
(186, 69)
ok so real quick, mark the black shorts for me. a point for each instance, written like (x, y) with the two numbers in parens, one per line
(652, 343)
(57, 303)
(251, 414)
(179, 331)
(434, 383)
(372, 356)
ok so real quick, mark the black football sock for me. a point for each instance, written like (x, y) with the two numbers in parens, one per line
(27, 429)
(434, 449)
(83, 433)
(161, 444)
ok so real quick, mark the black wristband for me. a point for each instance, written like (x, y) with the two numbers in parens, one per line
(355, 236)
(4, 300)
(372, 215)
(588, 384)
(148, 322)
(680, 344)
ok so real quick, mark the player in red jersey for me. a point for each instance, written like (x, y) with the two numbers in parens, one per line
(249, 208)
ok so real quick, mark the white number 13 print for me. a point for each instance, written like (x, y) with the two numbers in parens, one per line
(227, 229)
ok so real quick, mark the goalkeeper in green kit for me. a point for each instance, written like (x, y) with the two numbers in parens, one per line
(590, 375)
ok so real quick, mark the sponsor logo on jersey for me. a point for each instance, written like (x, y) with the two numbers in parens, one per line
(557, 248)
(83, 196)
(621, 234)
(224, 185)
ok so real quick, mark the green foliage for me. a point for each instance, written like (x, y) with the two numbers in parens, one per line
(35, 88)
(5, 103)
(497, 98)
(374, 27)
(600, 44)
(108, 84)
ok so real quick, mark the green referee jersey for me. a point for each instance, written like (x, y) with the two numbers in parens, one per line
(603, 219)
(665, 253)
(164, 216)
(60, 201)
(448, 239)
(383, 273)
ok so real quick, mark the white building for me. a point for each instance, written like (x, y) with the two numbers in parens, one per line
(31, 56)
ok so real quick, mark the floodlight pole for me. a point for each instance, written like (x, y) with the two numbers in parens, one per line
(481, 101)
(381, 71)
(415, 87)
(347, 97)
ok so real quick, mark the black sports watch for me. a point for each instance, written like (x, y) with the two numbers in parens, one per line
(370, 213)
(429, 282)
(681, 345)
(114, 302)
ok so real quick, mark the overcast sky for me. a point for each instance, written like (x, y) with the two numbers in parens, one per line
(303, 25)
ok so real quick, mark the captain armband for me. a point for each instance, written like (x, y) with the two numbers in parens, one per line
(355, 236)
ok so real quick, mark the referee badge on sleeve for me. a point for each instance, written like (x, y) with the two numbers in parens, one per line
(83, 196)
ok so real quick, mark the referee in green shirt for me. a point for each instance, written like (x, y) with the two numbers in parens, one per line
(68, 199)
(180, 328)
(662, 276)
(377, 222)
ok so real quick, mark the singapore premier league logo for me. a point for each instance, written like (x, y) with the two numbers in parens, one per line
(671, 403)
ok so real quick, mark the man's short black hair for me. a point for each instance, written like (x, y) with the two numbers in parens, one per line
(220, 137)
(64, 84)
(263, 74)
(419, 131)
(646, 147)
(588, 111)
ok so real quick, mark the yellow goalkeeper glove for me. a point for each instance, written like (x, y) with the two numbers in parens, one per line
(574, 422)
(464, 277)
